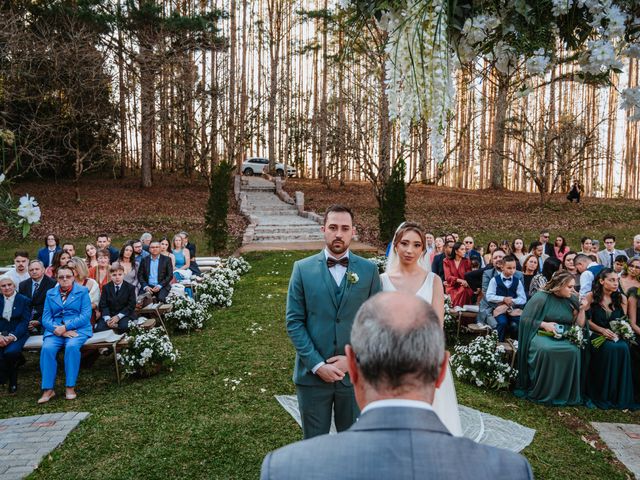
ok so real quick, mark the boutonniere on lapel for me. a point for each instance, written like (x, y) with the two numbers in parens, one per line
(352, 278)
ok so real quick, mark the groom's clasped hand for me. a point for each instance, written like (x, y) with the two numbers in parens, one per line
(334, 370)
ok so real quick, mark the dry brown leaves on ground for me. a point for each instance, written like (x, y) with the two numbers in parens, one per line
(483, 213)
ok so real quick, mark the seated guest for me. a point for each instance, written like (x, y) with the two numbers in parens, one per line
(547, 248)
(560, 248)
(100, 273)
(437, 265)
(551, 266)
(506, 296)
(117, 302)
(70, 248)
(485, 311)
(631, 277)
(398, 434)
(491, 247)
(586, 246)
(595, 247)
(146, 238)
(35, 289)
(67, 324)
(139, 251)
(181, 255)
(471, 252)
(81, 274)
(588, 270)
(537, 249)
(20, 270)
(438, 247)
(634, 251)
(91, 252)
(529, 271)
(455, 267)
(103, 241)
(505, 246)
(14, 330)
(550, 370)
(60, 259)
(51, 246)
(619, 264)
(127, 260)
(610, 382)
(166, 252)
(193, 265)
(608, 256)
(155, 273)
(569, 266)
(517, 249)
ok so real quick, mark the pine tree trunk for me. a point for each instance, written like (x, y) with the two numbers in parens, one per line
(497, 147)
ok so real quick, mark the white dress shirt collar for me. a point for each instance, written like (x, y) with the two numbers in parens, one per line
(397, 402)
(328, 254)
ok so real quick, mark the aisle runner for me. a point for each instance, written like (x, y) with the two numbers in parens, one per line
(624, 440)
(478, 426)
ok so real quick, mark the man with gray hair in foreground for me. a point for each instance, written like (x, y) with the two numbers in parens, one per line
(396, 361)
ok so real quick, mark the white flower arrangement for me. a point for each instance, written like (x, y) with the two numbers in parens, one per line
(380, 262)
(352, 278)
(147, 351)
(237, 264)
(186, 314)
(216, 288)
(481, 363)
(450, 319)
(21, 216)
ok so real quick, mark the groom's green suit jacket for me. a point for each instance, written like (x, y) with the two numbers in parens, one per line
(318, 324)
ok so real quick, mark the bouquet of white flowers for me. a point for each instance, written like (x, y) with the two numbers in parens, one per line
(575, 335)
(216, 288)
(147, 351)
(622, 329)
(238, 265)
(481, 363)
(186, 313)
(380, 261)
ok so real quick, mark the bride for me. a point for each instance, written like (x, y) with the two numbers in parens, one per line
(408, 270)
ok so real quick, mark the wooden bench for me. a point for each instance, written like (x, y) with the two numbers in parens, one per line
(157, 310)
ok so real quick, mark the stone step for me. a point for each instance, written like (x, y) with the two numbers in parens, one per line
(285, 228)
(287, 237)
(262, 211)
(257, 189)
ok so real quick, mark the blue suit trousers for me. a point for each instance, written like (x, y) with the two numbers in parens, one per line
(507, 323)
(49, 364)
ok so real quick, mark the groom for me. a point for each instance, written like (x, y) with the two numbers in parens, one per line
(325, 292)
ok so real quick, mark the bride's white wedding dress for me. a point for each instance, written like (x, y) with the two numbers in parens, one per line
(445, 402)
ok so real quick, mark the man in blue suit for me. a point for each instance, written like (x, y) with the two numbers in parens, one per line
(325, 292)
(396, 360)
(14, 330)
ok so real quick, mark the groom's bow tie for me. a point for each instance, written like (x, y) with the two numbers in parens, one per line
(332, 262)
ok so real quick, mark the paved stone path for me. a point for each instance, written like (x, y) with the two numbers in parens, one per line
(24, 441)
(275, 221)
(624, 440)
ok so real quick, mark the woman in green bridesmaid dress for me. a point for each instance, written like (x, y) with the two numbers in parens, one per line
(630, 285)
(610, 384)
(550, 371)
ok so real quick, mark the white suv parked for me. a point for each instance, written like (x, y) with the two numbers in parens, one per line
(258, 165)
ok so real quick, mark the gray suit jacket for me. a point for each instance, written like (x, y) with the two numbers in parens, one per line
(394, 443)
(605, 258)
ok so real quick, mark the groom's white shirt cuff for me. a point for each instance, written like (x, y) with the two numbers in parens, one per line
(397, 402)
(337, 271)
(315, 369)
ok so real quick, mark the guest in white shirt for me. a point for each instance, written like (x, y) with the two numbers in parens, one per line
(20, 270)
(430, 243)
(588, 270)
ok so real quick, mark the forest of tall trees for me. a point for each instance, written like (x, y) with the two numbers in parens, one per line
(136, 86)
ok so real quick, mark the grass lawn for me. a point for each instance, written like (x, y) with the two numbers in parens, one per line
(190, 423)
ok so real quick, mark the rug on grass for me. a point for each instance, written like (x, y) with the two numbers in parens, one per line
(478, 426)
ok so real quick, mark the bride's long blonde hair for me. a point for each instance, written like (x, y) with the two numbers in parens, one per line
(401, 231)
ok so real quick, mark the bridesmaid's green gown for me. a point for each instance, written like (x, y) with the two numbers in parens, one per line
(610, 382)
(550, 371)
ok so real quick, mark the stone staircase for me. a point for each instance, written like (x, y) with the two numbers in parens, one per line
(273, 220)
